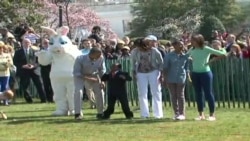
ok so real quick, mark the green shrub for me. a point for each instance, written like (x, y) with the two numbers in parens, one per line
(208, 25)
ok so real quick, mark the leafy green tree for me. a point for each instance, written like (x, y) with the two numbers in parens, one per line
(245, 21)
(174, 28)
(14, 11)
(228, 11)
(149, 13)
(209, 24)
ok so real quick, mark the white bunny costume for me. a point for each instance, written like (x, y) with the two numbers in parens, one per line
(61, 55)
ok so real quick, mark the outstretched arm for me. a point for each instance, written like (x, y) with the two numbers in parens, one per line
(217, 58)
(125, 76)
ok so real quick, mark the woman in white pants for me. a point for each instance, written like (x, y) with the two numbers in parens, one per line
(147, 64)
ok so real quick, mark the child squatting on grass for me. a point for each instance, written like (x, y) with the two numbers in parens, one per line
(8, 94)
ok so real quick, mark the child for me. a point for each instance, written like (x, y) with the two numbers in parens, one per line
(116, 80)
(8, 94)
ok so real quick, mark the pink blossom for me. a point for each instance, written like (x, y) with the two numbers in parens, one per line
(79, 15)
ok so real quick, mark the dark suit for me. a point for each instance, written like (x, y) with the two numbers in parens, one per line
(20, 59)
(45, 73)
(117, 91)
(228, 47)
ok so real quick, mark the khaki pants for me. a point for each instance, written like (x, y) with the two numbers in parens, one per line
(91, 96)
(94, 91)
(91, 86)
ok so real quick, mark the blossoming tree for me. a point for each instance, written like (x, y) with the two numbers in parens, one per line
(75, 15)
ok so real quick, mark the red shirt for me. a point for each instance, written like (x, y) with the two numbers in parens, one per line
(246, 53)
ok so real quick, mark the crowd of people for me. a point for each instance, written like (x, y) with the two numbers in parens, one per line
(154, 65)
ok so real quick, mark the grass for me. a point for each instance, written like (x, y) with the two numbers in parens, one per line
(32, 122)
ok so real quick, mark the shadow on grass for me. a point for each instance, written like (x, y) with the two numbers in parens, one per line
(32, 111)
(25, 103)
(25, 119)
(49, 119)
(14, 120)
(114, 121)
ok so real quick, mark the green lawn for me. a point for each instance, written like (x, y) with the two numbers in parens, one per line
(32, 122)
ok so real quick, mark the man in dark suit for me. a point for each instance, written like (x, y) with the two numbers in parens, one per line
(45, 72)
(117, 91)
(26, 63)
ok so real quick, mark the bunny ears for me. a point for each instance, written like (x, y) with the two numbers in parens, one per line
(64, 30)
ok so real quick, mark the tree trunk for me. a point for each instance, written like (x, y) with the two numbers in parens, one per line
(67, 17)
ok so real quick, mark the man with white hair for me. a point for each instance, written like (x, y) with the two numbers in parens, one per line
(27, 68)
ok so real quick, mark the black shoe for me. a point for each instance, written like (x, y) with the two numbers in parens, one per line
(43, 101)
(105, 117)
(50, 101)
(99, 116)
(130, 116)
(29, 100)
(78, 117)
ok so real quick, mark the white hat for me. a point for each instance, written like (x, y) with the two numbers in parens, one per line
(151, 38)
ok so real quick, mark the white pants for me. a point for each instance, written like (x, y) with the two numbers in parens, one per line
(151, 78)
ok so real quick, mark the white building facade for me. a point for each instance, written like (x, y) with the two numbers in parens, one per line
(117, 12)
(118, 16)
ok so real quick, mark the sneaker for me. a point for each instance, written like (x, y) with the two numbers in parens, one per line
(211, 118)
(181, 117)
(78, 117)
(200, 118)
(6, 102)
(158, 117)
(92, 107)
(175, 117)
(71, 112)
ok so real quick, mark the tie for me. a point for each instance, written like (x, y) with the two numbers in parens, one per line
(27, 55)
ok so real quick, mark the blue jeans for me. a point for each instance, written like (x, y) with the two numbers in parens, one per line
(4, 83)
(204, 82)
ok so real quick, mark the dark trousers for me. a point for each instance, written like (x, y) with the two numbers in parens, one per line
(204, 82)
(177, 97)
(122, 97)
(45, 71)
(4, 83)
(24, 84)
